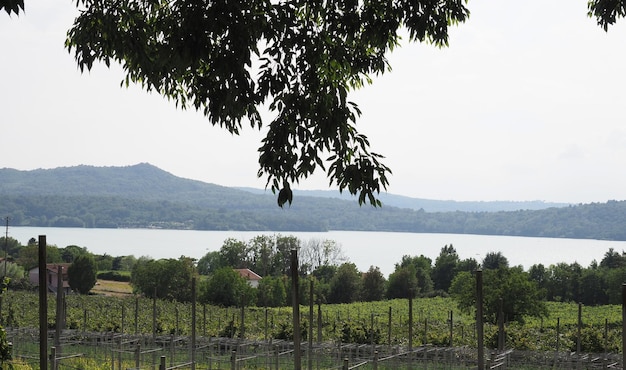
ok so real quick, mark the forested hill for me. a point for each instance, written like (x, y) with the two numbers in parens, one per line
(145, 196)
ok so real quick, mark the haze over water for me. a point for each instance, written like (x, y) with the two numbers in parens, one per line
(365, 249)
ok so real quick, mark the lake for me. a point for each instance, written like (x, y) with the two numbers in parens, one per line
(365, 249)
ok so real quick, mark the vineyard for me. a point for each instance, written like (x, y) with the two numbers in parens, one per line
(124, 332)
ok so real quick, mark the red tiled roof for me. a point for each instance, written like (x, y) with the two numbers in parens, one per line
(248, 274)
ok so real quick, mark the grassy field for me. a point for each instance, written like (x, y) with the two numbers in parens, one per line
(112, 288)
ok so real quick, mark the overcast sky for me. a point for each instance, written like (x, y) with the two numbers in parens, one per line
(527, 103)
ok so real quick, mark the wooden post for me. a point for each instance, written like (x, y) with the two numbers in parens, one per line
(137, 355)
(624, 324)
(451, 328)
(310, 354)
(59, 314)
(43, 304)
(136, 315)
(123, 319)
(501, 325)
(372, 332)
(154, 313)
(162, 363)
(242, 318)
(606, 340)
(265, 324)
(579, 330)
(53, 358)
(375, 363)
(297, 363)
(389, 329)
(319, 322)
(193, 323)
(479, 319)
(410, 320)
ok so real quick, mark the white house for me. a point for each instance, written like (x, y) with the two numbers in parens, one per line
(52, 276)
(252, 277)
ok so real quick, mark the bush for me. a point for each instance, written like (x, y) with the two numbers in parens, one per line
(113, 276)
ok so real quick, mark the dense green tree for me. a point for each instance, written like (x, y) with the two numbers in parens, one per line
(168, 278)
(445, 268)
(468, 264)
(613, 259)
(10, 246)
(510, 287)
(402, 283)
(423, 271)
(127, 263)
(345, 286)
(227, 288)
(82, 273)
(539, 274)
(210, 262)
(29, 256)
(262, 248)
(563, 283)
(234, 253)
(69, 253)
(495, 261)
(323, 276)
(593, 287)
(13, 271)
(282, 258)
(614, 279)
(373, 285)
(104, 262)
(271, 292)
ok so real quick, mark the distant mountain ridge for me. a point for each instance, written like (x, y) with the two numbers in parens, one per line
(431, 205)
(143, 195)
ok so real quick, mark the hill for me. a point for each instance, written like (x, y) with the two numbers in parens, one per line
(430, 205)
(145, 196)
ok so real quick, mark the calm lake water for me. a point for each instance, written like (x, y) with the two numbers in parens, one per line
(365, 249)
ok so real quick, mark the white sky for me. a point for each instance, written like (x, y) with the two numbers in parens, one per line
(527, 103)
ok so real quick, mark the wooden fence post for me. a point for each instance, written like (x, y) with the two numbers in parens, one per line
(137, 355)
(162, 363)
(295, 302)
(479, 319)
(53, 358)
(193, 323)
(310, 347)
(389, 323)
(624, 324)
(43, 304)
(410, 320)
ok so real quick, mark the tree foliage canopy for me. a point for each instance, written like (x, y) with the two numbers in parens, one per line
(508, 289)
(82, 273)
(300, 58)
(167, 278)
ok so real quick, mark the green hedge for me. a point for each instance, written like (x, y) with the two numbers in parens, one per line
(113, 275)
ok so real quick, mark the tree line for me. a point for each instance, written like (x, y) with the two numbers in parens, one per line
(510, 289)
(601, 221)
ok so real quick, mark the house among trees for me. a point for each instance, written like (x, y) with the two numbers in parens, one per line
(52, 276)
(251, 277)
